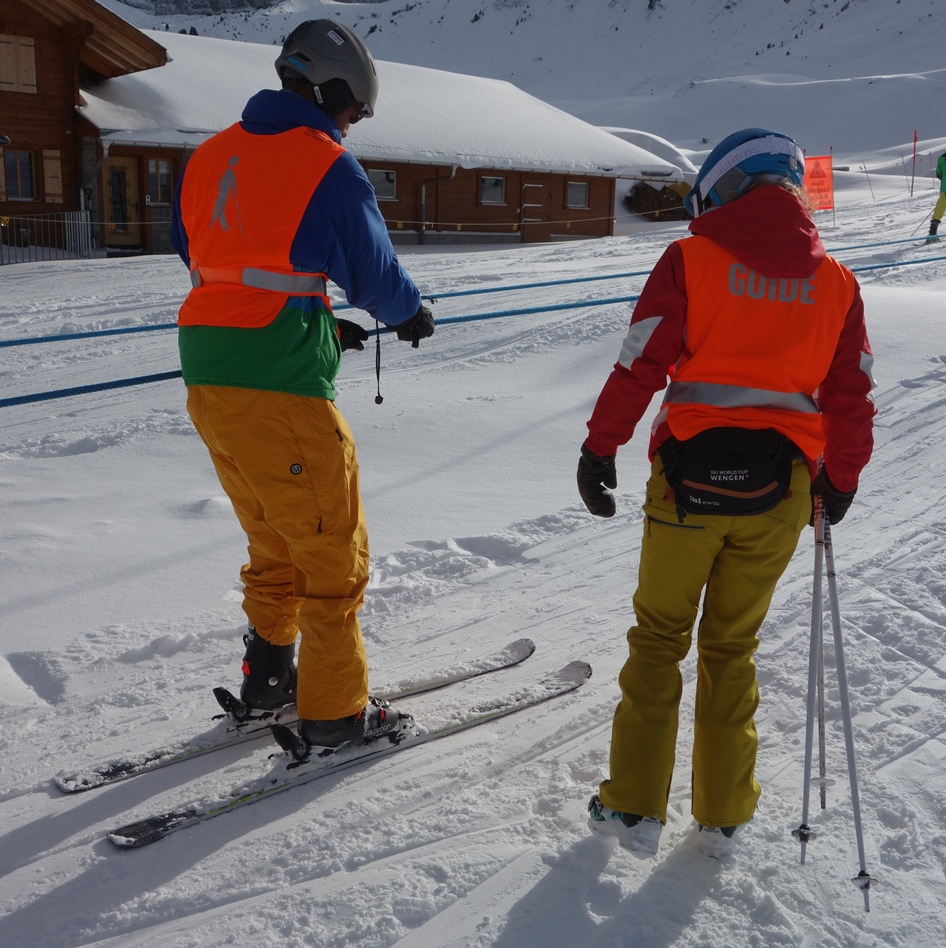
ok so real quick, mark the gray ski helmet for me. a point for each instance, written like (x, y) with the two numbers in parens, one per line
(320, 50)
(738, 160)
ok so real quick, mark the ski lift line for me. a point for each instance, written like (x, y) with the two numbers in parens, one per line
(65, 337)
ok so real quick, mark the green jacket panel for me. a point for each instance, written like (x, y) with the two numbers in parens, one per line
(298, 352)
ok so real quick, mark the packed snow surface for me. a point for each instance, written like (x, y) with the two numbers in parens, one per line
(121, 612)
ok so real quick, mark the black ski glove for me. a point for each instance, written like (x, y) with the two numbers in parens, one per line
(351, 335)
(594, 475)
(836, 502)
(419, 326)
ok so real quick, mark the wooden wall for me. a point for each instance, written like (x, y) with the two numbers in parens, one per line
(43, 122)
(535, 207)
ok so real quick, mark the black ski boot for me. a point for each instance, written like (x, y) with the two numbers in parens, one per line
(934, 226)
(269, 673)
(377, 719)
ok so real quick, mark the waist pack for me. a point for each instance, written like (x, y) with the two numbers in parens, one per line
(728, 471)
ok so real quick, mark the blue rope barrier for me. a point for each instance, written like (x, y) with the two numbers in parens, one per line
(525, 311)
(87, 389)
(450, 294)
(164, 376)
(903, 263)
(532, 286)
(473, 317)
(472, 292)
(65, 337)
(879, 243)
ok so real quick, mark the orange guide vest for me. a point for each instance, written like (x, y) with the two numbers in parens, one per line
(242, 201)
(756, 347)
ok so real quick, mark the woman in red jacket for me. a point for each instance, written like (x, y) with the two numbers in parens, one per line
(762, 337)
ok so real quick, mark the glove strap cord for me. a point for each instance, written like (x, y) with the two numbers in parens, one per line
(378, 399)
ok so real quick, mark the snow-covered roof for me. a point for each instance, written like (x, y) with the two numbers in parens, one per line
(422, 115)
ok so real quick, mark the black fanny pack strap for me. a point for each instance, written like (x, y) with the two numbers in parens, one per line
(728, 471)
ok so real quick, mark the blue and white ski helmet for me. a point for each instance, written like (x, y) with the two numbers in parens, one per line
(738, 160)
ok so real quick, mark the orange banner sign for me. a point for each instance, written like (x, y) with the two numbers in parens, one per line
(819, 183)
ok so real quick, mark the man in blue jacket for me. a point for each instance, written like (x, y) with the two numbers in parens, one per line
(265, 212)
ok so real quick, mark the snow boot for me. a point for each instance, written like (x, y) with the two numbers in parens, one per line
(934, 227)
(639, 834)
(718, 841)
(269, 673)
(376, 719)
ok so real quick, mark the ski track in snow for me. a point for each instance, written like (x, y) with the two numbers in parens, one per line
(479, 840)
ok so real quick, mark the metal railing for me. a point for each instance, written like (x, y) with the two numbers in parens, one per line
(28, 237)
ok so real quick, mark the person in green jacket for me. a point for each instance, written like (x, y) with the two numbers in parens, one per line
(941, 203)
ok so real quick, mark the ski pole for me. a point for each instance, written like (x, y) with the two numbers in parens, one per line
(863, 879)
(926, 220)
(823, 781)
(803, 834)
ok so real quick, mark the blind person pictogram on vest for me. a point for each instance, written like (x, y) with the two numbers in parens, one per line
(226, 189)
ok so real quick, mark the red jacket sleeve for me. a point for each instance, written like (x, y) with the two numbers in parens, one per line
(653, 344)
(847, 407)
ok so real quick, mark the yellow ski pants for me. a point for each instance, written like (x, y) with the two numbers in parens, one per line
(738, 560)
(940, 208)
(289, 466)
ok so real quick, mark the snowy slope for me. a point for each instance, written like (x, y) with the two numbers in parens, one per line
(119, 558)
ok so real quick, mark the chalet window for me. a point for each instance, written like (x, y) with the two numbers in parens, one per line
(159, 181)
(18, 174)
(17, 64)
(578, 194)
(492, 190)
(384, 183)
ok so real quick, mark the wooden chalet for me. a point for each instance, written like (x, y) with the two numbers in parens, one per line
(96, 128)
(49, 49)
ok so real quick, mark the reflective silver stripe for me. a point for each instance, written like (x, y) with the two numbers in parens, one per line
(295, 284)
(638, 335)
(735, 396)
(867, 366)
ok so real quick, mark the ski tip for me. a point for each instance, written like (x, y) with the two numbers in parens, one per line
(521, 647)
(123, 841)
(72, 783)
(577, 672)
(68, 783)
(143, 832)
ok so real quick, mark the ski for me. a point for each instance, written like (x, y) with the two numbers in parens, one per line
(230, 732)
(290, 773)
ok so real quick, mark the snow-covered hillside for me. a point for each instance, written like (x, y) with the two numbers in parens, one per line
(827, 72)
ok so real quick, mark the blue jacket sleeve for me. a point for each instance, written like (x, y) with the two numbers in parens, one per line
(343, 235)
(178, 234)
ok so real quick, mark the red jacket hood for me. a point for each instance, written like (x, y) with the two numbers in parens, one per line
(768, 229)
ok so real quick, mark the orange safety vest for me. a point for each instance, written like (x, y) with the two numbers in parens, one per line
(242, 201)
(756, 348)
